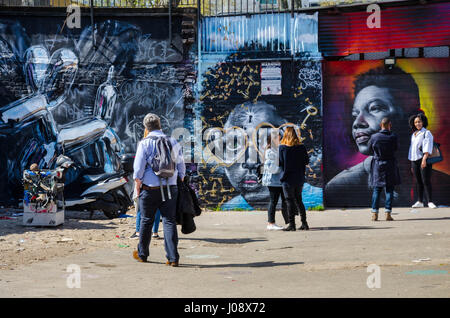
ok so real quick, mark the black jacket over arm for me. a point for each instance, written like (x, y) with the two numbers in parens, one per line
(292, 162)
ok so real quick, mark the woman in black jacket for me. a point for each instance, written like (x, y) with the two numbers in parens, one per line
(293, 160)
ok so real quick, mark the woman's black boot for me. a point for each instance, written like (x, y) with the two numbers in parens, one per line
(290, 227)
(304, 227)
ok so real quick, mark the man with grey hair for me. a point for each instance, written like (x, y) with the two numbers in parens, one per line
(157, 193)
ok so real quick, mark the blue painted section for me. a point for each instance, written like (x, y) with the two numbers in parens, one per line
(278, 32)
(312, 196)
(237, 202)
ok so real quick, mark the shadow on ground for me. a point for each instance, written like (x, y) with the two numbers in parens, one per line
(227, 241)
(425, 219)
(347, 228)
(253, 265)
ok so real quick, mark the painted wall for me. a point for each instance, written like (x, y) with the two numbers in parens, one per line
(365, 31)
(271, 32)
(231, 101)
(357, 95)
(92, 99)
(62, 90)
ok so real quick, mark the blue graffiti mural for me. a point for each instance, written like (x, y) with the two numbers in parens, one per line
(263, 32)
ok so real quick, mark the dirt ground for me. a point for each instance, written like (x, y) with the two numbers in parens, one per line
(21, 245)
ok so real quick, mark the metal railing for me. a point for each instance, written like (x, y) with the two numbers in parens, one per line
(242, 7)
(206, 7)
(239, 7)
(102, 3)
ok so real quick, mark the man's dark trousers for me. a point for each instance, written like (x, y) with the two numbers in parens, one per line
(149, 202)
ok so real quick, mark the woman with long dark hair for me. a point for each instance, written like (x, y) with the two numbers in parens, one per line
(421, 147)
(293, 161)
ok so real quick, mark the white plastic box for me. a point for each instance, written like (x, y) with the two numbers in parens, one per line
(49, 216)
(42, 193)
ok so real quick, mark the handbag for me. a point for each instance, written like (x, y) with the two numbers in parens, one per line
(436, 155)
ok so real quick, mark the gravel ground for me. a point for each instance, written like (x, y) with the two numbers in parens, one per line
(21, 245)
(231, 254)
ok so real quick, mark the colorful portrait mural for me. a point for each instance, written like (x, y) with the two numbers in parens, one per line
(358, 95)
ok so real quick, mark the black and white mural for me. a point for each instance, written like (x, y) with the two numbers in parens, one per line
(84, 92)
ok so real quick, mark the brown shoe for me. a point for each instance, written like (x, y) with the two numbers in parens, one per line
(173, 264)
(374, 216)
(389, 217)
(136, 257)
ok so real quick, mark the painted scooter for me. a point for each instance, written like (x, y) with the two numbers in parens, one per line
(98, 178)
(95, 180)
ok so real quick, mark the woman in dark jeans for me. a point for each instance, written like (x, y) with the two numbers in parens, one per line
(421, 147)
(293, 160)
(271, 179)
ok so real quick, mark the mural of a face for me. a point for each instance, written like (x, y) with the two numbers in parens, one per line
(242, 175)
(36, 60)
(138, 98)
(59, 76)
(371, 105)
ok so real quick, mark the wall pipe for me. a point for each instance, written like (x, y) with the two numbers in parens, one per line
(92, 24)
(170, 22)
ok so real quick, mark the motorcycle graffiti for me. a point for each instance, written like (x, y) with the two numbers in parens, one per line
(62, 95)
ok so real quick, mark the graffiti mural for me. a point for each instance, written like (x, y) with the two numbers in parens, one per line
(232, 105)
(271, 32)
(358, 95)
(83, 92)
(242, 100)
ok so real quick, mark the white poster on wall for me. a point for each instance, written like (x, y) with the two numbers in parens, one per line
(271, 78)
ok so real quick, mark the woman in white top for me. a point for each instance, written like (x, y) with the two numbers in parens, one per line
(421, 147)
(271, 179)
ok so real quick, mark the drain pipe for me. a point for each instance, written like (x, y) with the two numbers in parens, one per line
(92, 24)
(170, 22)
